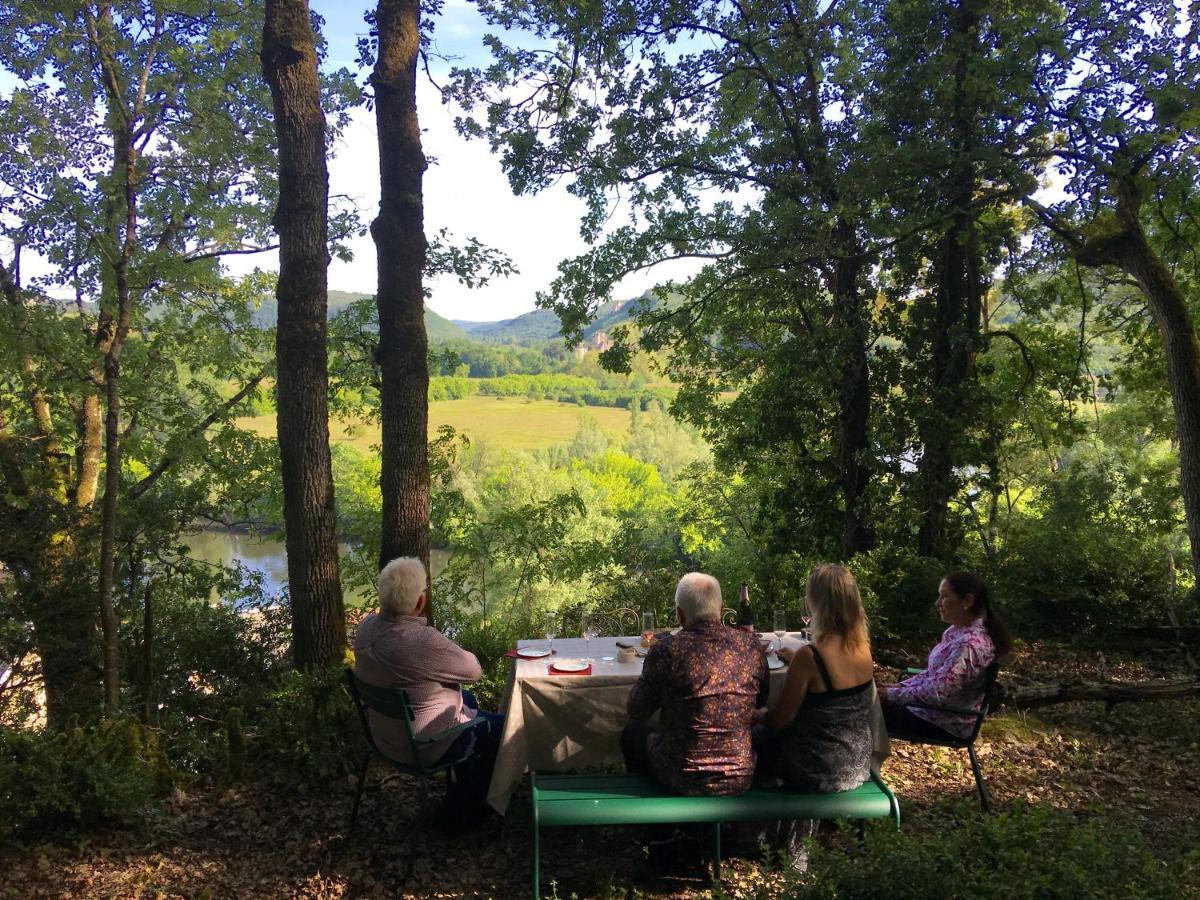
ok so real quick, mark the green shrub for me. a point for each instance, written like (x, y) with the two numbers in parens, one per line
(302, 725)
(62, 783)
(1023, 852)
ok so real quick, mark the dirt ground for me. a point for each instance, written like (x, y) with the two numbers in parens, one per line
(1136, 762)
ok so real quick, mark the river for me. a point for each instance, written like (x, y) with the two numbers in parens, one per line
(263, 553)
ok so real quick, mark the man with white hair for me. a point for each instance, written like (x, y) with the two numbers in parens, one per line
(397, 648)
(707, 680)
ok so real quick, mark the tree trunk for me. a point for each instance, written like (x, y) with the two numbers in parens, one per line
(1127, 247)
(62, 608)
(47, 544)
(290, 67)
(854, 396)
(148, 653)
(1032, 696)
(957, 313)
(399, 237)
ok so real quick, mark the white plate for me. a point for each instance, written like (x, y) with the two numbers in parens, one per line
(570, 665)
(532, 652)
(774, 663)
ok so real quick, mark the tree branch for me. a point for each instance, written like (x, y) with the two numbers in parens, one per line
(211, 419)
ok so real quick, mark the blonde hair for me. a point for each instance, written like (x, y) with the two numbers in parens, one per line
(835, 606)
(401, 582)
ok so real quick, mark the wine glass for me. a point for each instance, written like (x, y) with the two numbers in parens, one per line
(551, 630)
(805, 619)
(780, 626)
(588, 627)
(648, 626)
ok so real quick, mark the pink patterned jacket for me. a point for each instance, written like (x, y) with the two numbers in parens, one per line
(952, 677)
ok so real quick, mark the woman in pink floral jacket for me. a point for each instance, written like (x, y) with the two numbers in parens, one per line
(955, 671)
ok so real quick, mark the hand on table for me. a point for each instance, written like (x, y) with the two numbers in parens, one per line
(786, 654)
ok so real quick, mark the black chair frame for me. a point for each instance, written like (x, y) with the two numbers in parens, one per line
(395, 704)
(967, 743)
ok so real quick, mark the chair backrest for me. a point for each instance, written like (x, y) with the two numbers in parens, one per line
(390, 702)
(622, 621)
(989, 696)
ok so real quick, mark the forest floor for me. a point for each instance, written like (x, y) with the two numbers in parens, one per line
(1136, 763)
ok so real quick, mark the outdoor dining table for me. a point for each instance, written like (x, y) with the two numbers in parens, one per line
(558, 722)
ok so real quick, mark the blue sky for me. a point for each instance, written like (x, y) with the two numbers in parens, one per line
(465, 190)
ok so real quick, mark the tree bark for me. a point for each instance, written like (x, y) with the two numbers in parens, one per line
(47, 541)
(854, 395)
(121, 207)
(957, 312)
(290, 67)
(1034, 695)
(148, 653)
(400, 244)
(1121, 241)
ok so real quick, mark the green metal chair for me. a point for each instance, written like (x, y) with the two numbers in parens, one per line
(968, 743)
(394, 703)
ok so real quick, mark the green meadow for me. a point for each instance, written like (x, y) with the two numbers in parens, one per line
(512, 422)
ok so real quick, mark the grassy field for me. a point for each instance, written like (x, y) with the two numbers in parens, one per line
(510, 422)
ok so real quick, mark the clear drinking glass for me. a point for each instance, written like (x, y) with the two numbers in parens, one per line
(551, 630)
(780, 626)
(805, 619)
(588, 627)
(648, 626)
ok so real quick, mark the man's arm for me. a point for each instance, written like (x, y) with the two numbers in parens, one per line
(447, 662)
(647, 694)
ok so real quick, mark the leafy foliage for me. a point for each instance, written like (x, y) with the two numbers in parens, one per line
(1022, 852)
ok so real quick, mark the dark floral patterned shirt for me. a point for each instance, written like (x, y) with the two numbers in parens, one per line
(707, 680)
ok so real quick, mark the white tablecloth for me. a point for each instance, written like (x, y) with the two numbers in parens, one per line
(558, 722)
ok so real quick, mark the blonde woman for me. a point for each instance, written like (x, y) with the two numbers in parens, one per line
(817, 736)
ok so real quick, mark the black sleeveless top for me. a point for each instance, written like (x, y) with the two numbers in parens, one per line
(827, 747)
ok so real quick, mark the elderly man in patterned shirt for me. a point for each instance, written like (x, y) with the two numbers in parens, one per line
(706, 680)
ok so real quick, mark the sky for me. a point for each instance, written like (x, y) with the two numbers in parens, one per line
(465, 190)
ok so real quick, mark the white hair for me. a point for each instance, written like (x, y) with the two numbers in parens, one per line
(699, 596)
(401, 582)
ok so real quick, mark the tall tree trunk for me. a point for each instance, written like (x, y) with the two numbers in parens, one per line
(854, 396)
(957, 311)
(1124, 244)
(62, 608)
(48, 543)
(290, 66)
(112, 328)
(148, 653)
(400, 245)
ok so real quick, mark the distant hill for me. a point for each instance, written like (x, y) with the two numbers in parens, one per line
(438, 328)
(538, 325)
(544, 325)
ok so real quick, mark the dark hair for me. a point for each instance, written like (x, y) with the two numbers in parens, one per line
(964, 583)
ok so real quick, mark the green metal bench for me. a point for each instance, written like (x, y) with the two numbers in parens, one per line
(638, 799)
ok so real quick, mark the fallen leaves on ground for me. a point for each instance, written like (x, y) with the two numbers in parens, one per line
(1135, 761)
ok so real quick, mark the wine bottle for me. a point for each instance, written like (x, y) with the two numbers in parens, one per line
(745, 617)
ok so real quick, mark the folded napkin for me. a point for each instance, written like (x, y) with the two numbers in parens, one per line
(554, 671)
